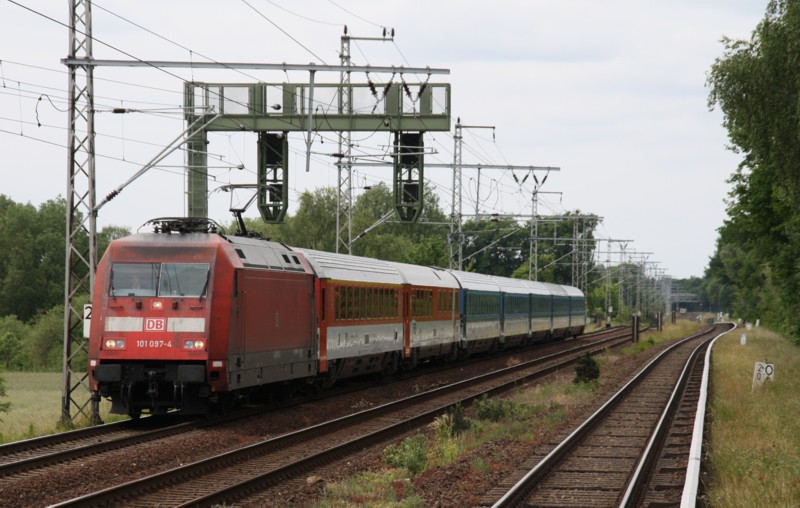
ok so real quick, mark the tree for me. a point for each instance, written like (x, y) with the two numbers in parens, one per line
(47, 341)
(107, 234)
(32, 256)
(495, 247)
(314, 224)
(423, 242)
(11, 351)
(756, 84)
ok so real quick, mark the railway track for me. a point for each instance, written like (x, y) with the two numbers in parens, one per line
(237, 475)
(41, 452)
(633, 451)
(46, 451)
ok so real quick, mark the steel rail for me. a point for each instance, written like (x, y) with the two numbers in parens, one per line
(114, 495)
(517, 494)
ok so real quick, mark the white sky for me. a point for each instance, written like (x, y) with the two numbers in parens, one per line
(611, 92)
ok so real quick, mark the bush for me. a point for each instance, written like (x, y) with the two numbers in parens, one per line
(587, 370)
(460, 422)
(411, 454)
(494, 410)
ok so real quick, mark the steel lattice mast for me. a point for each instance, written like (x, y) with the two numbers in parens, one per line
(81, 238)
(344, 196)
(456, 234)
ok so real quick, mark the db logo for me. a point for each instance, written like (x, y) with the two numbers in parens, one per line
(155, 324)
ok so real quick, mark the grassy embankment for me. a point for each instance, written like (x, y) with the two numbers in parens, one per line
(755, 435)
(519, 418)
(35, 399)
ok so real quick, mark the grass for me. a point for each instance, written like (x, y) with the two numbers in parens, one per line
(755, 437)
(375, 488)
(681, 328)
(521, 417)
(35, 399)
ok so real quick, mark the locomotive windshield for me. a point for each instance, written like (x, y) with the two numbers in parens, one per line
(159, 279)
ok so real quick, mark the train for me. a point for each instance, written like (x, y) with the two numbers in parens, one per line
(188, 318)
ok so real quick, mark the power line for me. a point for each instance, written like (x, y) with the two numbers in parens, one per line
(191, 51)
(287, 34)
(301, 16)
(356, 15)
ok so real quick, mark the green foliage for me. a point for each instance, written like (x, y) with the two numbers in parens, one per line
(372, 488)
(411, 454)
(313, 226)
(446, 446)
(460, 421)
(756, 84)
(587, 370)
(480, 466)
(32, 256)
(107, 234)
(424, 242)
(4, 406)
(14, 351)
(47, 339)
(502, 247)
(495, 409)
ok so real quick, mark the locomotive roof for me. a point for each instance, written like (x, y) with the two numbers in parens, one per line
(257, 253)
(329, 265)
(199, 239)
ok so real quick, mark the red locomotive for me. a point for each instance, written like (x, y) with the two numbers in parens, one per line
(187, 318)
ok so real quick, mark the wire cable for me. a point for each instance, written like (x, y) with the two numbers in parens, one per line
(365, 20)
(287, 34)
(284, 9)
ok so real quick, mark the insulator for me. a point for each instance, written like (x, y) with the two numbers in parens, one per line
(407, 90)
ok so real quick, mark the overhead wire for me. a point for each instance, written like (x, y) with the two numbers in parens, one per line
(302, 16)
(282, 30)
(368, 136)
(192, 52)
(365, 20)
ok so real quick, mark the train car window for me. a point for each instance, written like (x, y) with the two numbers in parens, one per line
(183, 279)
(134, 279)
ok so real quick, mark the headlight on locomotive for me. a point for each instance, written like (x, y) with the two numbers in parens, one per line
(118, 344)
(194, 344)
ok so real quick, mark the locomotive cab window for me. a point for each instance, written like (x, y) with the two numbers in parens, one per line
(183, 279)
(159, 279)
